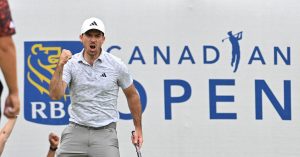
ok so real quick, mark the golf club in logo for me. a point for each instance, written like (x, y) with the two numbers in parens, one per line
(236, 52)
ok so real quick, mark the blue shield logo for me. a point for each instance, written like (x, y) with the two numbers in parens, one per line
(40, 63)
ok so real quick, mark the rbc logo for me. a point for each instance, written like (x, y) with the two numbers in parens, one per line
(40, 63)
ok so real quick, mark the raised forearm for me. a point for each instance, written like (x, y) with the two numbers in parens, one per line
(56, 86)
(51, 153)
(54, 141)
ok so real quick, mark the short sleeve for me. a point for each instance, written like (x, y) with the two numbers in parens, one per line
(125, 79)
(7, 27)
(67, 73)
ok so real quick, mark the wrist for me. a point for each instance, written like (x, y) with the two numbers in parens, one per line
(59, 64)
(138, 129)
(53, 148)
(14, 92)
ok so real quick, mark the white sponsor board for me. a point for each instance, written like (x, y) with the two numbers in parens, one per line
(208, 94)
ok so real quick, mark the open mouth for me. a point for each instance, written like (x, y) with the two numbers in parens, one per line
(92, 46)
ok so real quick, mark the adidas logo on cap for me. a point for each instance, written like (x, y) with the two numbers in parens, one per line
(93, 24)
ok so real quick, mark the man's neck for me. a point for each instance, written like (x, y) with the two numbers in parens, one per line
(91, 58)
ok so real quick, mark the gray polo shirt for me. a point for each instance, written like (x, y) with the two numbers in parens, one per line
(94, 88)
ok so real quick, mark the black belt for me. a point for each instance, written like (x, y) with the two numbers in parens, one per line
(111, 125)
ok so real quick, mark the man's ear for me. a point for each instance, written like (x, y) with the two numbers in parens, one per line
(80, 37)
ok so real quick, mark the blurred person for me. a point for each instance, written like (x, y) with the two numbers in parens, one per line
(8, 61)
(94, 77)
(8, 66)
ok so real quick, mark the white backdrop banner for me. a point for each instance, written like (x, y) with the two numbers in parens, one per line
(216, 78)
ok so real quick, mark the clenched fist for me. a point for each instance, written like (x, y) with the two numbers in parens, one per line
(53, 140)
(64, 57)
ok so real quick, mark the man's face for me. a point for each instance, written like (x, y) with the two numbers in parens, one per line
(92, 41)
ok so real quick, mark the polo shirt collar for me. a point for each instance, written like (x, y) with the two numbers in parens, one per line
(82, 60)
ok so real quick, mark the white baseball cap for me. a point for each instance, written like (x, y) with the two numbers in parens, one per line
(92, 23)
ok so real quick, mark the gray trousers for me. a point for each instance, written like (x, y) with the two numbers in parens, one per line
(81, 141)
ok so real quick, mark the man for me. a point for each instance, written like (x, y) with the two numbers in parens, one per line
(94, 77)
(8, 61)
(53, 141)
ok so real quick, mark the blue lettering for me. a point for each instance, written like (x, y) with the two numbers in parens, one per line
(140, 57)
(165, 58)
(186, 50)
(113, 47)
(284, 113)
(213, 60)
(287, 60)
(260, 57)
(214, 98)
(168, 95)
